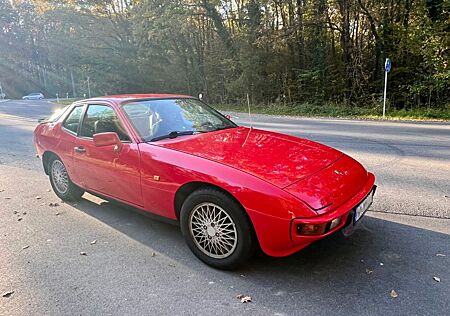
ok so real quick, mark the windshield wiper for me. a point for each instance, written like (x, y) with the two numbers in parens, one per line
(222, 128)
(174, 134)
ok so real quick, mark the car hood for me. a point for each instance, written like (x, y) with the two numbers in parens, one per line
(331, 186)
(276, 158)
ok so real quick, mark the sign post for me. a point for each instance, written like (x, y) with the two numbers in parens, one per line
(89, 87)
(387, 68)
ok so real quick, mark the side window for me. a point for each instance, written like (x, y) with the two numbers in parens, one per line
(73, 119)
(101, 119)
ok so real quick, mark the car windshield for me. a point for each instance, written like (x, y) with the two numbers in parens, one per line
(169, 118)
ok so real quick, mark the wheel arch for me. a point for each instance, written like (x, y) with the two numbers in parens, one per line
(186, 189)
(46, 156)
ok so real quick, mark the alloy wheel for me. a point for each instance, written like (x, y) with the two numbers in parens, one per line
(60, 177)
(213, 230)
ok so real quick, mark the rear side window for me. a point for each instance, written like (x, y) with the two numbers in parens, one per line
(101, 119)
(57, 114)
(73, 119)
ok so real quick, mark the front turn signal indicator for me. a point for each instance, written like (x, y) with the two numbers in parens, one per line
(311, 229)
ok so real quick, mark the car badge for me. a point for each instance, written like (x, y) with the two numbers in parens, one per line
(156, 178)
(338, 172)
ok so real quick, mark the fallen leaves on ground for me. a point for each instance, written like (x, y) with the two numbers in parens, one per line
(57, 213)
(8, 293)
(83, 253)
(437, 279)
(153, 254)
(37, 197)
(19, 219)
(93, 242)
(368, 271)
(25, 247)
(440, 255)
(394, 294)
(244, 298)
(51, 204)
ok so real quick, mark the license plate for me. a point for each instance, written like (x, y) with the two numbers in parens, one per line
(363, 206)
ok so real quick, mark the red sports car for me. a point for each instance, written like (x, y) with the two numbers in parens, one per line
(232, 188)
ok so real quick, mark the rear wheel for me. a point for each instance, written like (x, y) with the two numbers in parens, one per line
(64, 188)
(216, 229)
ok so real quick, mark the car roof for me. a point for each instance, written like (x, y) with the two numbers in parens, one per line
(119, 98)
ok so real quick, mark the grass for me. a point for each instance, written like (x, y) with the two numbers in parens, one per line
(331, 110)
(66, 101)
(340, 111)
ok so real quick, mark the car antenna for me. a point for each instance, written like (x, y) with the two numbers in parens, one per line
(249, 112)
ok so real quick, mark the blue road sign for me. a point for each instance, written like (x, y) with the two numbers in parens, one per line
(387, 65)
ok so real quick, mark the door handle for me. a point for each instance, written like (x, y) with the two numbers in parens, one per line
(79, 149)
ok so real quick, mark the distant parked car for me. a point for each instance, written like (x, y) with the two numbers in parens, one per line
(33, 96)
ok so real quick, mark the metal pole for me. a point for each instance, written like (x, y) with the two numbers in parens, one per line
(385, 88)
(73, 84)
(89, 88)
(249, 112)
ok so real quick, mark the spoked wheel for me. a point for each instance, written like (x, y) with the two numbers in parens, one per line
(213, 230)
(59, 176)
(216, 229)
(60, 181)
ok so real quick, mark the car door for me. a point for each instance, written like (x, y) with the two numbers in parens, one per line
(102, 169)
(66, 139)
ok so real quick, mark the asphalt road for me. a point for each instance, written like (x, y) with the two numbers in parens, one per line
(140, 265)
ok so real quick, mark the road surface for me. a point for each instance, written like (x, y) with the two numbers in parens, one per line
(140, 265)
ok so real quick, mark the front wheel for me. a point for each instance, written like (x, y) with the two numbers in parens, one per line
(216, 229)
(64, 188)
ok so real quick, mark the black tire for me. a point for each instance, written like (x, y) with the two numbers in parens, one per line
(73, 192)
(245, 244)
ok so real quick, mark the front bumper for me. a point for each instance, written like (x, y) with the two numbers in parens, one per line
(345, 212)
(278, 237)
(344, 215)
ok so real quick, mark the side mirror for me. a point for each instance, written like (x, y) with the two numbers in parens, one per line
(108, 139)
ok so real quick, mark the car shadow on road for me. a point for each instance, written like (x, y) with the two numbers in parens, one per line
(335, 272)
